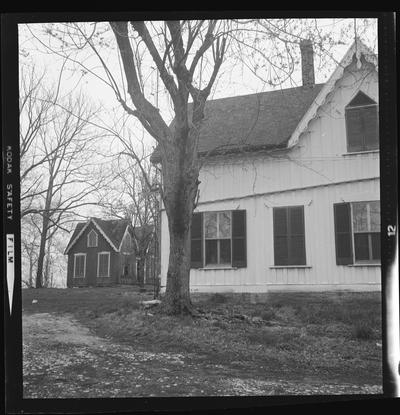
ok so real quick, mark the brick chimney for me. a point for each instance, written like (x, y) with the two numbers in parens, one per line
(307, 63)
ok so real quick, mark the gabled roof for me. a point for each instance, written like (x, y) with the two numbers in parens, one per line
(112, 230)
(357, 49)
(273, 119)
(255, 121)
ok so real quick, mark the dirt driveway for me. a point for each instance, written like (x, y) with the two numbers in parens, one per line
(63, 359)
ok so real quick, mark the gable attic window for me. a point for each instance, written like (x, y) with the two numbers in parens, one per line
(362, 124)
(218, 239)
(92, 239)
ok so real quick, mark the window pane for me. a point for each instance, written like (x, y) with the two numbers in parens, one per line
(375, 215)
(376, 245)
(361, 248)
(210, 224)
(211, 251)
(224, 225)
(360, 218)
(225, 251)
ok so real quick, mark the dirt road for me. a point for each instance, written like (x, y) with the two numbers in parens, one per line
(63, 359)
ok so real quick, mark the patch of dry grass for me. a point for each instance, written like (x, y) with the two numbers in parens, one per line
(304, 333)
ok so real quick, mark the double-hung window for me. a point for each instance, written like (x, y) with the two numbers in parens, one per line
(79, 265)
(366, 231)
(218, 235)
(218, 239)
(357, 232)
(103, 264)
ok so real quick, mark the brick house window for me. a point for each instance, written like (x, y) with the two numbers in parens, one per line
(79, 265)
(362, 124)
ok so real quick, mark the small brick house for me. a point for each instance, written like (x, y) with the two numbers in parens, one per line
(101, 252)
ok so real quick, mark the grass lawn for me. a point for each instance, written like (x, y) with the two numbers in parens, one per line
(312, 339)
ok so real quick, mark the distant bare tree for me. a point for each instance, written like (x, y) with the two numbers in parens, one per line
(132, 194)
(57, 147)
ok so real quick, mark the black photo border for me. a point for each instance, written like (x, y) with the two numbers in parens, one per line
(12, 324)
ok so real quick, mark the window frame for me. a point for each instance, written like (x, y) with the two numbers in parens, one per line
(98, 264)
(353, 232)
(218, 264)
(88, 239)
(80, 254)
(350, 108)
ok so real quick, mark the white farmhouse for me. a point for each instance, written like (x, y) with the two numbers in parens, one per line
(289, 193)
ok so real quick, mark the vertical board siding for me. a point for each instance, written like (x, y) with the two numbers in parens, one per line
(260, 273)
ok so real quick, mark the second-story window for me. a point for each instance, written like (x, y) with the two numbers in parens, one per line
(362, 125)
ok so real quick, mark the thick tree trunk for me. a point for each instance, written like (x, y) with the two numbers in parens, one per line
(177, 295)
(179, 206)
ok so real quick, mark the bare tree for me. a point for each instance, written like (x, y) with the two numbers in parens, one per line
(132, 194)
(57, 170)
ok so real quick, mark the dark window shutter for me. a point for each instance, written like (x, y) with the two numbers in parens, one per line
(371, 124)
(343, 236)
(239, 246)
(196, 245)
(289, 237)
(297, 245)
(355, 129)
(362, 128)
(281, 248)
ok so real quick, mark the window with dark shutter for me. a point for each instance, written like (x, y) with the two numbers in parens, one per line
(196, 247)
(239, 249)
(357, 232)
(218, 239)
(362, 124)
(289, 236)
